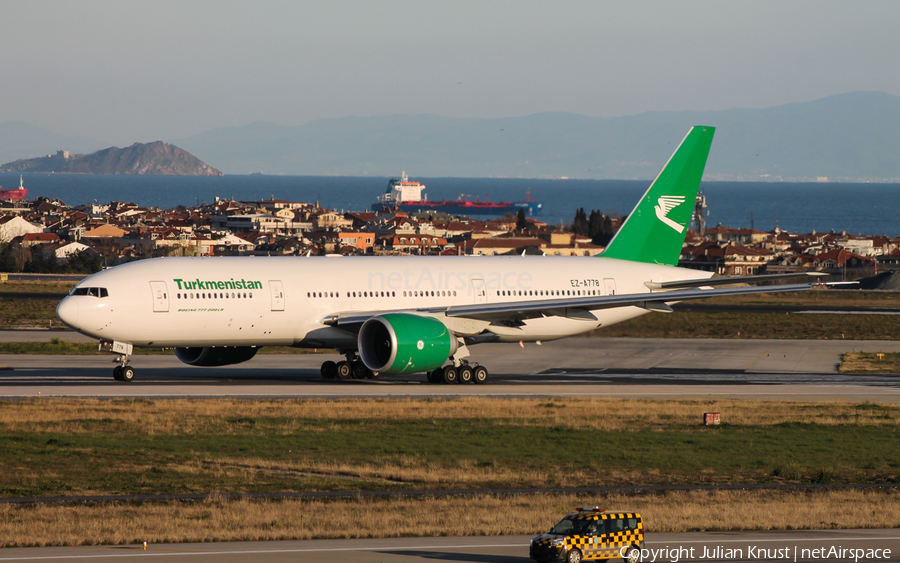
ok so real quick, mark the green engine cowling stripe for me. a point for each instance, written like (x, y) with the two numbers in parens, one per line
(419, 343)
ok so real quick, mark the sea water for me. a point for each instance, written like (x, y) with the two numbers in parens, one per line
(859, 208)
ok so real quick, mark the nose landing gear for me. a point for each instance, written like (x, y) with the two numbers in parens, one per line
(123, 371)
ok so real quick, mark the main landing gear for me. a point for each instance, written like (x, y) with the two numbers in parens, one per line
(465, 373)
(459, 370)
(351, 368)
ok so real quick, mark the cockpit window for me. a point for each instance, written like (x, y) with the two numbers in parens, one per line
(92, 291)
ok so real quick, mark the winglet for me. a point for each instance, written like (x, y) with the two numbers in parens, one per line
(655, 230)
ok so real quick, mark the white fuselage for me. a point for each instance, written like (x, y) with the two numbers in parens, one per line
(259, 301)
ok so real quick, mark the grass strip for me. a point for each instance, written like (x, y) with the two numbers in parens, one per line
(479, 515)
(70, 447)
(55, 286)
(762, 325)
(870, 362)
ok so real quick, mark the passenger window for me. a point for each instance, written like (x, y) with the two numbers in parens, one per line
(615, 526)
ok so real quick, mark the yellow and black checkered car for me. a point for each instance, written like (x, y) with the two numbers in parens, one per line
(590, 534)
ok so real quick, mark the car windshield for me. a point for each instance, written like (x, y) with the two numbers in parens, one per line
(570, 526)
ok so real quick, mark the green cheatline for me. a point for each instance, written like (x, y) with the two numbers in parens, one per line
(654, 232)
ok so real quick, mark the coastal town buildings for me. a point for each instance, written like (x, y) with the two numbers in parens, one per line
(121, 231)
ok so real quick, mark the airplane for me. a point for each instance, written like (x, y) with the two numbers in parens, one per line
(404, 314)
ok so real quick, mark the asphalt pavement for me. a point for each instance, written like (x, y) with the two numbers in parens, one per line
(614, 367)
(800, 546)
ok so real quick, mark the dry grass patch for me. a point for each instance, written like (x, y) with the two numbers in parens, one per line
(72, 447)
(183, 416)
(50, 286)
(748, 324)
(869, 362)
(218, 520)
(407, 470)
(815, 297)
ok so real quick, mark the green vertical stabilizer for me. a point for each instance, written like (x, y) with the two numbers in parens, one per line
(655, 230)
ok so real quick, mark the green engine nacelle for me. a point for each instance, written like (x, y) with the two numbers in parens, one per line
(405, 343)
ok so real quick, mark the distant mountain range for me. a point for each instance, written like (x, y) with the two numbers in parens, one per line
(847, 137)
(148, 158)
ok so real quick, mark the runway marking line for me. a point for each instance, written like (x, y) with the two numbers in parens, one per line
(396, 548)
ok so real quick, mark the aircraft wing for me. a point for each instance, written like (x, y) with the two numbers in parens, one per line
(729, 280)
(575, 307)
(570, 307)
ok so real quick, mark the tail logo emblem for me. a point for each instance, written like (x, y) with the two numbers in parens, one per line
(668, 203)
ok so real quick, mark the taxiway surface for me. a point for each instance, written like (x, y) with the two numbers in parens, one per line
(753, 546)
(614, 367)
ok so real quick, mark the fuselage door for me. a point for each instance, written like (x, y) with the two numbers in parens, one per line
(277, 289)
(479, 290)
(610, 285)
(160, 296)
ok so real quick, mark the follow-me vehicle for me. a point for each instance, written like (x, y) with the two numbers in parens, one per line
(591, 533)
(403, 314)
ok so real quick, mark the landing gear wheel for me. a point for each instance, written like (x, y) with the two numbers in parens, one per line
(126, 374)
(480, 374)
(465, 374)
(328, 369)
(344, 371)
(359, 370)
(117, 373)
(450, 374)
(436, 376)
(633, 555)
(574, 556)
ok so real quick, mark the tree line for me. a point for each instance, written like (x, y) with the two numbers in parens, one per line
(34, 260)
(597, 226)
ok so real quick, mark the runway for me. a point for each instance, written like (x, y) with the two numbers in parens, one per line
(753, 546)
(799, 370)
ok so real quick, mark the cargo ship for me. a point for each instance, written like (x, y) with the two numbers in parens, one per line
(404, 195)
(16, 195)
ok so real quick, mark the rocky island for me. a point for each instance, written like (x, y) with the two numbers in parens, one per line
(156, 158)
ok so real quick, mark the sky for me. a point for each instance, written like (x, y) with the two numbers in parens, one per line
(129, 71)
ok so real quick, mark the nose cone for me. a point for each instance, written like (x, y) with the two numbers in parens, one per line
(67, 311)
